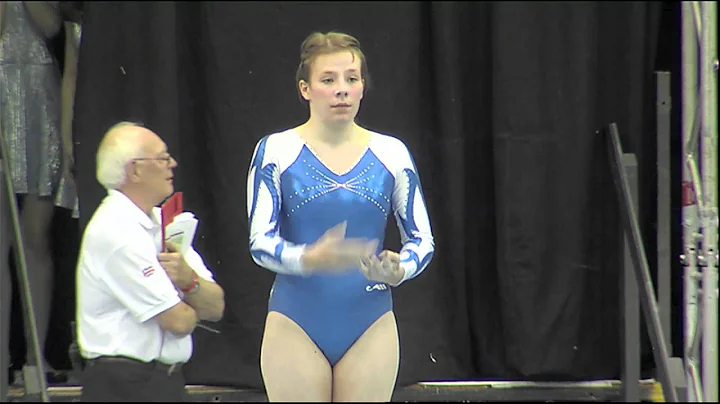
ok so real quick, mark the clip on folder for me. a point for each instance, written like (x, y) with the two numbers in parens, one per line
(171, 208)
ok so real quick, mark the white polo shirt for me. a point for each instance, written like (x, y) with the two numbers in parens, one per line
(121, 286)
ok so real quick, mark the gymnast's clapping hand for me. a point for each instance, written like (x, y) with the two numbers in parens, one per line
(333, 253)
(383, 268)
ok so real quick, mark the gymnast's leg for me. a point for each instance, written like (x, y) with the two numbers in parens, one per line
(368, 370)
(292, 366)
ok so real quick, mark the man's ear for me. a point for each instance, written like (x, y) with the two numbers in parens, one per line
(131, 172)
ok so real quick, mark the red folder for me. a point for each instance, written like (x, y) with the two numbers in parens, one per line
(172, 207)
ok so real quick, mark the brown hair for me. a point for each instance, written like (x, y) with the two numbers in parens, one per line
(317, 44)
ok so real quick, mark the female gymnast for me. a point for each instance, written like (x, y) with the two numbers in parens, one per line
(319, 196)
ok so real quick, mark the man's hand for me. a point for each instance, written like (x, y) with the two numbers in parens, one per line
(384, 268)
(175, 266)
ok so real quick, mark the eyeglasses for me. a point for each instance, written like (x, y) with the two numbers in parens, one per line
(166, 159)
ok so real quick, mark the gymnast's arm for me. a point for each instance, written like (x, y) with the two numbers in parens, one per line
(411, 216)
(267, 248)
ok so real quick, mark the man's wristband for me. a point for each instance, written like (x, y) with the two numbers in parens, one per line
(193, 287)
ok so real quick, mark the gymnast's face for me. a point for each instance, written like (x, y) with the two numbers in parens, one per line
(335, 88)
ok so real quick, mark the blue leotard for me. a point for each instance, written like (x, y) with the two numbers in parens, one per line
(293, 199)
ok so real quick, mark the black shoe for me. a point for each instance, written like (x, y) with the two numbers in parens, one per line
(51, 377)
(56, 377)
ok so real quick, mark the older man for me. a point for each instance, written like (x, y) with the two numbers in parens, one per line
(137, 305)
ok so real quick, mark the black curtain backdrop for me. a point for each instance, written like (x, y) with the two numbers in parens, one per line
(499, 104)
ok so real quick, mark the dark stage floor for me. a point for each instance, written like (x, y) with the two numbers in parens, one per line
(603, 390)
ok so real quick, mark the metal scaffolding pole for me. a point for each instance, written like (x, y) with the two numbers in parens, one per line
(689, 199)
(700, 208)
(709, 215)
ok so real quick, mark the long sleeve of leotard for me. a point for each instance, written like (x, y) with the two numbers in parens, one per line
(411, 215)
(267, 248)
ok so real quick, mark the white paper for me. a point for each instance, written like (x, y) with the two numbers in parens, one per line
(181, 231)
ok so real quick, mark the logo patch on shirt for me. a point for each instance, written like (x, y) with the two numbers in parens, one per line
(148, 271)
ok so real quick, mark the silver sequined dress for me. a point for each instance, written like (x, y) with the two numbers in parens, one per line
(30, 108)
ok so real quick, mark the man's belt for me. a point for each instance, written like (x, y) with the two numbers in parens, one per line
(169, 368)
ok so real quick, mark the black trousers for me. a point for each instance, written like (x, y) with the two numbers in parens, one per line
(124, 379)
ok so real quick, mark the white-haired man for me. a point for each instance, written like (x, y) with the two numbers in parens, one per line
(136, 304)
